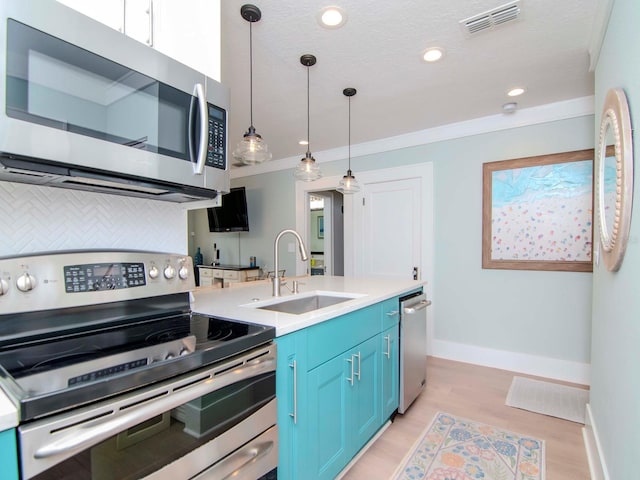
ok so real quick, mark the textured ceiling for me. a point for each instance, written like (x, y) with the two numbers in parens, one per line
(378, 52)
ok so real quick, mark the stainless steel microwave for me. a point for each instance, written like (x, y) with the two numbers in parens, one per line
(83, 106)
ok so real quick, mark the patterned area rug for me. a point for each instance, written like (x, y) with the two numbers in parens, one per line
(459, 449)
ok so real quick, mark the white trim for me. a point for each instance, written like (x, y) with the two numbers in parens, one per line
(577, 107)
(598, 31)
(565, 370)
(597, 466)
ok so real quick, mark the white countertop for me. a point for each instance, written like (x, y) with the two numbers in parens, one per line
(239, 302)
(8, 413)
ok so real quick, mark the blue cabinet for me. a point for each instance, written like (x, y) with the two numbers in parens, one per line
(390, 357)
(335, 389)
(390, 370)
(8, 455)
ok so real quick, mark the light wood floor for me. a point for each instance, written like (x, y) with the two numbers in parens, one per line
(477, 393)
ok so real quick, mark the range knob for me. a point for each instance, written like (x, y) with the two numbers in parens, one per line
(26, 282)
(154, 272)
(169, 272)
(4, 286)
(169, 356)
(184, 351)
(183, 273)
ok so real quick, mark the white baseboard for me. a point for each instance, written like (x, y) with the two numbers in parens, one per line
(597, 467)
(564, 370)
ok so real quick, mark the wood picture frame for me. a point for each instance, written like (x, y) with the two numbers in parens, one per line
(537, 213)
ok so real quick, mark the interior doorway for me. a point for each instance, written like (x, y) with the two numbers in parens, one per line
(320, 222)
(326, 233)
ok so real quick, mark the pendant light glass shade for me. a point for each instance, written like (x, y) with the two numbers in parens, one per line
(307, 170)
(349, 185)
(252, 149)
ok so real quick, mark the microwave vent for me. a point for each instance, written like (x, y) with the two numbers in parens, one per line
(491, 18)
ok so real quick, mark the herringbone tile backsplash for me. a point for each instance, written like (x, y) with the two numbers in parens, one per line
(36, 219)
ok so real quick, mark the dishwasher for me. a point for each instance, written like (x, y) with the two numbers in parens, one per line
(413, 347)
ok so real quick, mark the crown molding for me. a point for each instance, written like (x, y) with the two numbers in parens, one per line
(577, 107)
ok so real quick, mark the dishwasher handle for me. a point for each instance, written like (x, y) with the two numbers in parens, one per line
(421, 305)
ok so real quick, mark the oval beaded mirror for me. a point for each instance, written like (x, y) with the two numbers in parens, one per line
(614, 178)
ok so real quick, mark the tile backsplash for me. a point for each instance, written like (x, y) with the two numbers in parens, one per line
(35, 219)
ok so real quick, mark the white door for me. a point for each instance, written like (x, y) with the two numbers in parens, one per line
(393, 224)
(390, 216)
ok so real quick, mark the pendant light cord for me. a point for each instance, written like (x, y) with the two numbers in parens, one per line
(349, 135)
(251, 73)
(308, 117)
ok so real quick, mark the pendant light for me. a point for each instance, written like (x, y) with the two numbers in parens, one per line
(251, 149)
(308, 170)
(349, 185)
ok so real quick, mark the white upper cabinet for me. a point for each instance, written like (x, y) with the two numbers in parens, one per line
(188, 30)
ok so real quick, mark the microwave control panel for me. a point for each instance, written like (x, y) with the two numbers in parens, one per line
(216, 147)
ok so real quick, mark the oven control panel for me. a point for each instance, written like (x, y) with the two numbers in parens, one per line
(103, 276)
(72, 278)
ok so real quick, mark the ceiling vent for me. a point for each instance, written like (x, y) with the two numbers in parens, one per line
(491, 18)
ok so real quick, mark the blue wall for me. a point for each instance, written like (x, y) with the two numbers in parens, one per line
(615, 388)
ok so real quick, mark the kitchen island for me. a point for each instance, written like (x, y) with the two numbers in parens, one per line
(338, 366)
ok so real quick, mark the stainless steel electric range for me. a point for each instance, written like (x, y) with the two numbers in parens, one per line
(116, 378)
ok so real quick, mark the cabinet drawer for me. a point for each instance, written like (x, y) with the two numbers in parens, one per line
(206, 272)
(390, 313)
(230, 275)
(335, 336)
(217, 273)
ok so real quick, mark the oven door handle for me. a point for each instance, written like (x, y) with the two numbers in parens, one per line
(79, 437)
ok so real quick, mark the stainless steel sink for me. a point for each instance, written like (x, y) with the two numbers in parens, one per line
(301, 305)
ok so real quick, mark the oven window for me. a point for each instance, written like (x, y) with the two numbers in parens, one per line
(146, 448)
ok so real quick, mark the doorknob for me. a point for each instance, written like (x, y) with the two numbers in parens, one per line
(415, 273)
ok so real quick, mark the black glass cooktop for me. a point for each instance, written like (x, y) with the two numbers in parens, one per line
(117, 358)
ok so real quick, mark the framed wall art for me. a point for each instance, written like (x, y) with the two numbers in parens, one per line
(537, 213)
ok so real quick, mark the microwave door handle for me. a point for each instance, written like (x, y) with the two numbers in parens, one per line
(201, 153)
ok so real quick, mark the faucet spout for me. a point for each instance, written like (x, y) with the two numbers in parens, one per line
(276, 281)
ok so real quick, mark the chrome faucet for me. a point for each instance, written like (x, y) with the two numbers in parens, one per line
(276, 281)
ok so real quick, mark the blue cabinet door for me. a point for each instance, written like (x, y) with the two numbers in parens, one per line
(291, 380)
(390, 371)
(364, 418)
(327, 448)
(8, 455)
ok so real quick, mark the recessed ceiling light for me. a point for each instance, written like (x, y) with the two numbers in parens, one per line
(514, 92)
(332, 17)
(432, 54)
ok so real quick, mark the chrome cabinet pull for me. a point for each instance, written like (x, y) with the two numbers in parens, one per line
(350, 379)
(387, 338)
(150, 13)
(294, 415)
(392, 313)
(357, 374)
